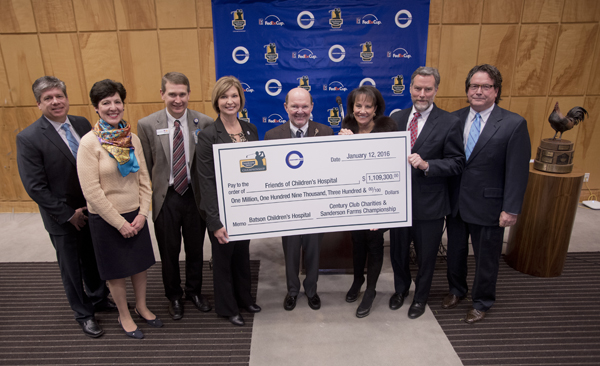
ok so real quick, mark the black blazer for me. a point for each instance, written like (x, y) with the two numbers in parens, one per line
(283, 131)
(214, 133)
(495, 175)
(440, 144)
(48, 171)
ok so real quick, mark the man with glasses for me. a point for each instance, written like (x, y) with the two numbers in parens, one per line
(298, 105)
(487, 196)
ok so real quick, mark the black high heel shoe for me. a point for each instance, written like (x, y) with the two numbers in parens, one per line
(137, 333)
(156, 322)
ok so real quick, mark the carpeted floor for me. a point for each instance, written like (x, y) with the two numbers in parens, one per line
(37, 326)
(535, 321)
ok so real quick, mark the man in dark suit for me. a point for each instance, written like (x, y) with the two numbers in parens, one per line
(169, 139)
(487, 196)
(299, 105)
(436, 153)
(46, 156)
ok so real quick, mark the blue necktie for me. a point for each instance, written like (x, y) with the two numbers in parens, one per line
(473, 135)
(298, 133)
(73, 144)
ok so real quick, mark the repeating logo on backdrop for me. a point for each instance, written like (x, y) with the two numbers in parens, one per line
(398, 86)
(334, 118)
(247, 88)
(399, 53)
(274, 118)
(271, 56)
(403, 18)
(238, 21)
(367, 51)
(368, 19)
(305, 54)
(256, 162)
(304, 82)
(335, 86)
(270, 20)
(336, 20)
(240, 55)
(243, 115)
(305, 19)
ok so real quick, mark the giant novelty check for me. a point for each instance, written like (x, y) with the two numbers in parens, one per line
(314, 185)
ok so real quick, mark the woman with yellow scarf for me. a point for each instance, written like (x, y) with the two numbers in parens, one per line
(116, 184)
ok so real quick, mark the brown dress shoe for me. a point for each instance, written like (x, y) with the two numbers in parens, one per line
(451, 301)
(474, 315)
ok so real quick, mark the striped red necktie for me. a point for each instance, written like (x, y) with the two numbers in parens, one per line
(413, 127)
(179, 167)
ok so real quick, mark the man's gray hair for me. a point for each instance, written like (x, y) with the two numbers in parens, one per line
(427, 71)
(47, 82)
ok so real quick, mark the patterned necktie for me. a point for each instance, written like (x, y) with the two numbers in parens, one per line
(73, 144)
(413, 127)
(179, 169)
(298, 133)
(473, 135)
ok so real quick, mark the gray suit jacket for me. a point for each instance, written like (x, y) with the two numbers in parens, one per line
(158, 156)
(283, 131)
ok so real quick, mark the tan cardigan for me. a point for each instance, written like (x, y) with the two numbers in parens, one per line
(107, 192)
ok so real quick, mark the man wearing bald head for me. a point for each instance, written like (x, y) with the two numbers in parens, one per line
(298, 105)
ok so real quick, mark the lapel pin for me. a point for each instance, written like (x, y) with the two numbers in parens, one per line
(195, 121)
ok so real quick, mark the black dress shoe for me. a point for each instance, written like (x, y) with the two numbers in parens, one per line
(91, 328)
(237, 320)
(137, 333)
(352, 294)
(200, 302)
(156, 322)
(364, 308)
(253, 308)
(289, 303)
(397, 300)
(314, 302)
(105, 306)
(176, 309)
(416, 309)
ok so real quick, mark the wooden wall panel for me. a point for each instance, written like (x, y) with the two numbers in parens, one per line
(204, 11)
(433, 45)
(62, 58)
(577, 11)
(5, 98)
(435, 12)
(459, 49)
(497, 46)
(141, 65)
(176, 13)
(587, 149)
(502, 11)
(179, 52)
(452, 104)
(54, 15)
(23, 62)
(101, 57)
(594, 82)
(84, 111)
(542, 11)
(534, 110)
(135, 14)
(573, 62)
(25, 116)
(462, 11)
(207, 61)
(534, 59)
(139, 111)
(16, 17)
(95, 15)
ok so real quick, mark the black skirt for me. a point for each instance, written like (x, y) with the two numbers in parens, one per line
(118, 257)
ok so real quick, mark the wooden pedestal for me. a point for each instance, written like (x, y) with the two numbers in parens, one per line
(538, 242)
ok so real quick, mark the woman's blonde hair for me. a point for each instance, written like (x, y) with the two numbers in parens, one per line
(222, 86)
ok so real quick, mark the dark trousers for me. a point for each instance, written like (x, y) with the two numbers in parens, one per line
(79, 272)
(367, 248)
(426, 236)
(231, 275)
(292, 246)
(179, 217)
(487, 247)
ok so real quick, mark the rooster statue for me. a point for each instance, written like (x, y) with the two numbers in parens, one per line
(561, 123)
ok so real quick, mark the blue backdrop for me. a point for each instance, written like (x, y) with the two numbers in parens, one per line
(274, 46)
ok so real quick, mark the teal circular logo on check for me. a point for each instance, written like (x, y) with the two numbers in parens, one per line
(294, 159)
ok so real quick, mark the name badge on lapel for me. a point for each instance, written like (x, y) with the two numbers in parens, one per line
(164, 131)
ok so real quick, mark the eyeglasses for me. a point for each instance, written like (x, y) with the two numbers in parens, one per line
(484, 87)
